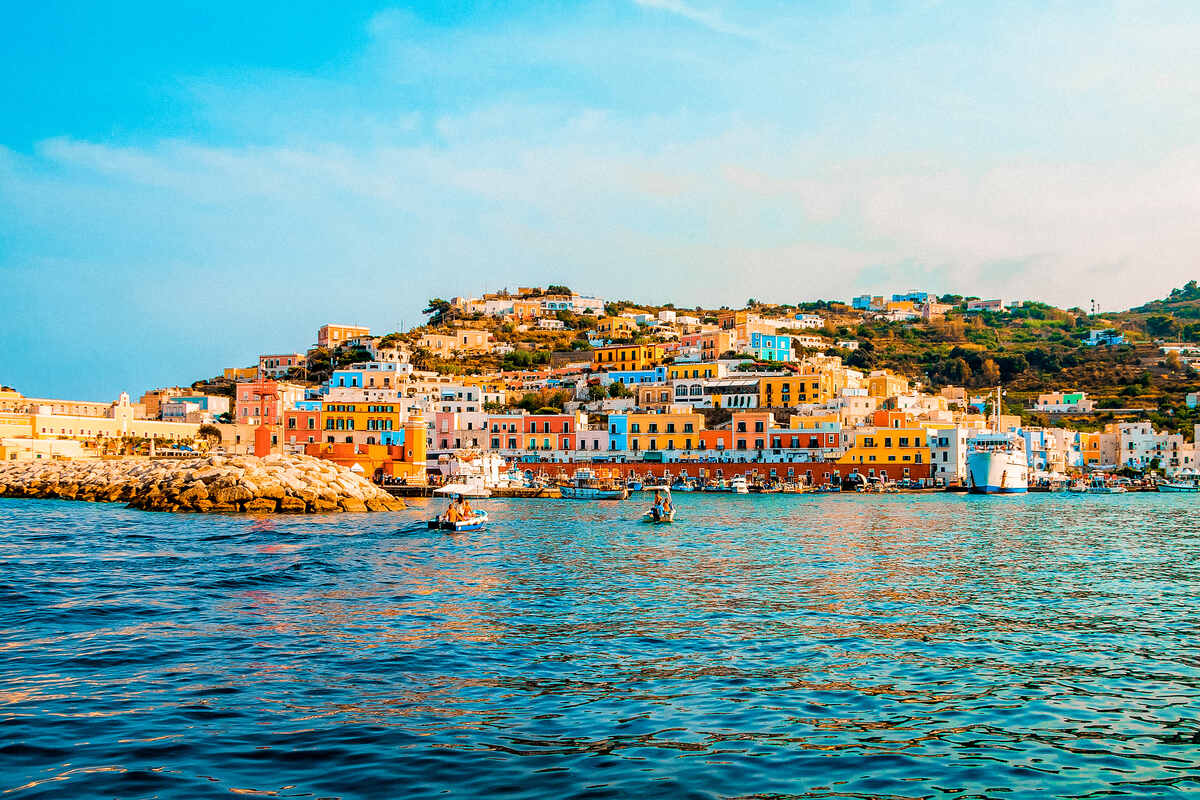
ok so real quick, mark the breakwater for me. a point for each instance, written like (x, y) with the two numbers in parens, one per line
(272, 484)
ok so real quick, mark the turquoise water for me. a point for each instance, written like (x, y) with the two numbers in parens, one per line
(782, 646)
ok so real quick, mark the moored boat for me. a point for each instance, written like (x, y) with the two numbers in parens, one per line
(584, 485)
(1098, 485)
(739, 485)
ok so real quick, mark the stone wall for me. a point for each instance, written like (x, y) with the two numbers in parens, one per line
(273, 484)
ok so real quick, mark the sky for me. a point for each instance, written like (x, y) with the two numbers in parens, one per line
(186, 185)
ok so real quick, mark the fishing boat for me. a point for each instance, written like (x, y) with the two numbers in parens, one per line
(584, 485)
(715, 486)
(473, 523)
(1186, 480)
(683, 486)
(739, 485)
(1098, 485)
(633, 485)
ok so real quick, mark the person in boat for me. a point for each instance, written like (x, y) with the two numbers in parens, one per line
(465, 511)
(662, 506)
(453, 511)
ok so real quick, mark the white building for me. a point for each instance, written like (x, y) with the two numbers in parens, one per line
(809, 321)
(1064, 403)
(809, 342)
(948, 453)
(847, 344)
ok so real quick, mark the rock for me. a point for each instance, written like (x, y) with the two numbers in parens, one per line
(352, 504)
(292, 505)
(260, 505)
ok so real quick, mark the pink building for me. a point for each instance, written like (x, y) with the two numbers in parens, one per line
(263, 402)
(277, 366)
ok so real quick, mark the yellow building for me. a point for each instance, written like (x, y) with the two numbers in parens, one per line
(628, 357)
(1089, 447)
(337, 335)
(809, 386)
(122, 423)
(884, 383)
(15, 425)
(693, 370)
(240, 374)
(460, 340)
(619, 327)
(339, 417)
(671, 431)
(894, 438)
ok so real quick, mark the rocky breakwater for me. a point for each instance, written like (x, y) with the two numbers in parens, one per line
(275, 483)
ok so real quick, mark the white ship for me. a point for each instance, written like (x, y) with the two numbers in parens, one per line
(996, 461)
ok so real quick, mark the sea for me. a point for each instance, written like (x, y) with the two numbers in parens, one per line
(773, 646)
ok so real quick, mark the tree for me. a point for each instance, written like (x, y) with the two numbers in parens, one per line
(990, 372)
(596, 393)
(618, 389)
(1161, 326)
(210, 433)
(555, 288)
(438, 309)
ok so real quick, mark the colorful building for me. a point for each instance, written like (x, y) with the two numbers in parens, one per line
(655, 433)
(278, 365)
(627, 357)
(332, 335)
(263, 402)
(362, 423)
(892, 442)
(771, 346)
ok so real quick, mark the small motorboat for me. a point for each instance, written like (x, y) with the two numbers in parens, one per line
(655, 517)
(739, 485)
(474, 523)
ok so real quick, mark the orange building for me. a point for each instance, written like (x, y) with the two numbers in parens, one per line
(336, 335)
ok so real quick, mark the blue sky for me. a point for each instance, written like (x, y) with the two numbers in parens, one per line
(185, 185)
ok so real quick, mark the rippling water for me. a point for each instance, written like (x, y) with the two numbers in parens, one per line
(896, 646)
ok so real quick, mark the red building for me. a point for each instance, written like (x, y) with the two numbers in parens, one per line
(302, 426)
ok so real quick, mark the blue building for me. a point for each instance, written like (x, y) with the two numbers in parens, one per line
(631, 377)
(771, 346)
(918, 298)
(862, 302)
(618, 432)
(346, 377)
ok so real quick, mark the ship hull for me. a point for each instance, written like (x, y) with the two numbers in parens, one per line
(998, 473)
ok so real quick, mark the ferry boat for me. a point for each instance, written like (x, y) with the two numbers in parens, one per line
(585, 485)
(996, 461)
